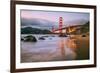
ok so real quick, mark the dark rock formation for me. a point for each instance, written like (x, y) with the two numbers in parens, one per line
(30, 38)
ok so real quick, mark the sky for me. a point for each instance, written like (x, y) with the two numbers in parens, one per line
(54, 16)
(49, 19)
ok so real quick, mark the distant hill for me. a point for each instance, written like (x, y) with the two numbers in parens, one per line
(85, 28)
(37, 23)
(30, 30)
(82, 29)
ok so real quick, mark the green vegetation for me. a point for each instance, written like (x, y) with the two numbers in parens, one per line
(85, 28)
(30, 38)
(30, 30)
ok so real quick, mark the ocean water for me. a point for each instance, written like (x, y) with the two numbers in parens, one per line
(53, 48)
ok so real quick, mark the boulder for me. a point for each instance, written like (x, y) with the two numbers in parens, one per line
(41, 38)
(30, 38)
(83, 35)
(22, 39)
(62, 35)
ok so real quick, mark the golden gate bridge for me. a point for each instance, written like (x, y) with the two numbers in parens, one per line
(65, 30)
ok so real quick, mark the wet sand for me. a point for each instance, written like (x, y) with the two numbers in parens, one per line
(82, 44)
(74, 48)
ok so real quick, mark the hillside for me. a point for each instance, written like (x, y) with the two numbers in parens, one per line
(85, 28)
(30, 30)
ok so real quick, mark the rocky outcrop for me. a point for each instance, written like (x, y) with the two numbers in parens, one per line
(30, 38)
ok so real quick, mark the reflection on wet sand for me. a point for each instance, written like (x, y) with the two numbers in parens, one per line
(55, 49)
(62, 48)
(66, 46)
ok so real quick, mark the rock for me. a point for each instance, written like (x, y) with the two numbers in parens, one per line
(84, 35)
(22, 39)
(41, 38)
(62, 35)
(30, 38)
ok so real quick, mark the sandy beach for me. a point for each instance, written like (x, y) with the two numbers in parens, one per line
(62, 49)
(82, 46)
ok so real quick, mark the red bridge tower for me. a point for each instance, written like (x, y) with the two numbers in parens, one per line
(60, 24)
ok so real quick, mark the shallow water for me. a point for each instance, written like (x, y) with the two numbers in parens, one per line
(53, 48)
